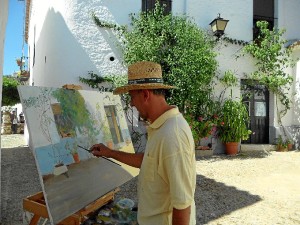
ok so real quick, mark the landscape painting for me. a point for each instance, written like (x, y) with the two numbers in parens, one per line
(63, 124)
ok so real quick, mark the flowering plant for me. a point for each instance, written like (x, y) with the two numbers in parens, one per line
(236, 120)
(203, 127)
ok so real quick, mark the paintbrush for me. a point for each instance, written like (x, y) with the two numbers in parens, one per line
(90, 151)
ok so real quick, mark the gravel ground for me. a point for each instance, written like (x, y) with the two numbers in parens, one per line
(249, 189)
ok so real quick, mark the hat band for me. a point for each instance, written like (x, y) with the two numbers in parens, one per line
(145, 81)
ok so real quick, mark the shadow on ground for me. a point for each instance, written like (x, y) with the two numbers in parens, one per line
(218, 199)
(19, 179)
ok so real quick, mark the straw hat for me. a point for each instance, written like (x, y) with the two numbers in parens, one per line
(143, 75)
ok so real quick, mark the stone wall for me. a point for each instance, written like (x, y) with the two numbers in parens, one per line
(6, 125)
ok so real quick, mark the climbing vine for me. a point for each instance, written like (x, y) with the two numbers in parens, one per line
(272, 60)
(235, 41)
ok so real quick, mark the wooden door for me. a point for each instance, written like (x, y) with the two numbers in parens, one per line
(256, 98)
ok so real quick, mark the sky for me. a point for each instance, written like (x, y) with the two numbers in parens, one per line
(14, 37)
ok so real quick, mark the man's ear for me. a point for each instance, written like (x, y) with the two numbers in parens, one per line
(146, 94)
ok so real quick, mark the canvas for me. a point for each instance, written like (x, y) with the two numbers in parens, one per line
(61, 120)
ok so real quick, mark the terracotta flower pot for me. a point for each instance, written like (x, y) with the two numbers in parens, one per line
(110, 144)
(231, 148)
(281, 148)
(76, 157)
(19, 62)
(25, 73)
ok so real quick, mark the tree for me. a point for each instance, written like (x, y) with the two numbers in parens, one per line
(10, 95)
(184, 51)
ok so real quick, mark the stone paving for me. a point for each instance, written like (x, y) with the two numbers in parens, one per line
(248, 189)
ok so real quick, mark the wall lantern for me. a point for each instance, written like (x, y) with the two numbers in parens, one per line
(218, 26)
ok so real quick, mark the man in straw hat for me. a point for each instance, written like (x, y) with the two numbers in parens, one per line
(167, 178)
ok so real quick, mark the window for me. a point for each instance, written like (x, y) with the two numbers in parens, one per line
(148, 5)
(113, 122)
(260, 18)
(263, 10)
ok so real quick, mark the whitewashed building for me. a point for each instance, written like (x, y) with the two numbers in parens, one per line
(64, 43)
(3, 22)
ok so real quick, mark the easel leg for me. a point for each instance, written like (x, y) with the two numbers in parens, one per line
(35, 219)
(45, 222)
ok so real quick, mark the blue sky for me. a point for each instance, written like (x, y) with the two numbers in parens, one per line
(14, 37)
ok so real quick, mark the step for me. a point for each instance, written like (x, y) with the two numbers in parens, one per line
(203, 153)
(257, 147)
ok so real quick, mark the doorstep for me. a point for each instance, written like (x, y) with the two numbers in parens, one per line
(257, 147)
(203, 153)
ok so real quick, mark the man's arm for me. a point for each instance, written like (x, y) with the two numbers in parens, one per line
(181, 216)
(131, 159)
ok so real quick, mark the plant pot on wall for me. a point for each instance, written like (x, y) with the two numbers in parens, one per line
(25, 73)
(76, 157)
(231, 148)
(110, 144)
(19, 62)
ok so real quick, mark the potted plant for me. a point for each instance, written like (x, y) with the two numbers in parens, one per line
(25, 73)
(202, 126)
(282, 145)
(75, 156)
(72, 147)
(289, 143)
(234, 126)
(19, 62)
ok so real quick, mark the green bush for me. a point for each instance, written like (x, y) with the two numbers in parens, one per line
(10, 95)
(184, 51)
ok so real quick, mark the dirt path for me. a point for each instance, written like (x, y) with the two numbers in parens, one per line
(252, 190)
(19, 178)
(244, 190)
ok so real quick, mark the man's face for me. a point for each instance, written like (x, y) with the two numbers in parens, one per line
(136, 100)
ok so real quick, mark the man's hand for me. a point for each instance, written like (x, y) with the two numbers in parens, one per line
(131, 159)
(99, 150)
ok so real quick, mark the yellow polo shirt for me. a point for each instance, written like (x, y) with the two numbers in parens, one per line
(167, 176)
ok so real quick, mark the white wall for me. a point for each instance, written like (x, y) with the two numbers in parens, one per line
(289, 17)
(240, 16)
(239, 13)
(3, 22)
(67, 42)
(296, 103)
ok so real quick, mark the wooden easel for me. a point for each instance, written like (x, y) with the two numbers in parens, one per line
(36, 204)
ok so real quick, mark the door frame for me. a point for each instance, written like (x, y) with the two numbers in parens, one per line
(253, 88)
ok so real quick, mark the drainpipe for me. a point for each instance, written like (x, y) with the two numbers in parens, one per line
(185, 7)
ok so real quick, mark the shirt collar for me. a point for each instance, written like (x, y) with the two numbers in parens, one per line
(164, 117)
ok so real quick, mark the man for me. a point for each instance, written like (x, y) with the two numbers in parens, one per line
(166, 182)
(14, 121)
